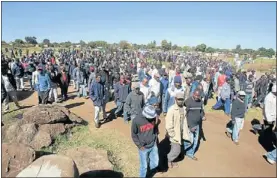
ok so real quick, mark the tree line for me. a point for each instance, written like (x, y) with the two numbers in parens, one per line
(165, 46)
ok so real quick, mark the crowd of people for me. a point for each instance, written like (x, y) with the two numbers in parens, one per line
(175, 86)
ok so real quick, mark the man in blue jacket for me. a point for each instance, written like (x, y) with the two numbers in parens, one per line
(97, 95)
(43, 86)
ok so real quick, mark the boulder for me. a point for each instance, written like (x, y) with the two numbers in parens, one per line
(21, 133)
(53, 129)
(75, 119)
(13, 160)
(41, 140)
(89, 159)
(51, 166)
(44, 114)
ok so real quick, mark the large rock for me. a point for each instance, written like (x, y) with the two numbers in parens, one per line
(16, 157)
(44, 114)
(89, 159)
(53, 129)
(51, 166)
(41, 140)
(21, 133)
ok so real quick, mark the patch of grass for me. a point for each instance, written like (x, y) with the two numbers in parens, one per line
(12, 116)
(121, 152)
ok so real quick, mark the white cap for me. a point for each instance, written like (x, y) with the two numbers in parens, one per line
(273, 88)
(241, 93)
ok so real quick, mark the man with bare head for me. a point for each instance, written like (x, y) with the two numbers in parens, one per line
(195, 115)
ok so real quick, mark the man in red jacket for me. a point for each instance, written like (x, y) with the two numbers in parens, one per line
(220, 81)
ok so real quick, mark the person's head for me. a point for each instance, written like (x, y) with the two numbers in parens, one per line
(40, 70)
(197, 95)
(135, 87)
(98, 78)
(198, 78)
(188, 81)
(178, 70)
(273, 90)
(241, 95)
(165, 75)
(157, 76)
(145, 82)
(149, 112)
(180, 98)
(153, 101)
(122, 78)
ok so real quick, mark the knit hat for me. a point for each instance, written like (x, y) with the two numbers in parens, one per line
(153, 100)
(177, 79)
(149, 112)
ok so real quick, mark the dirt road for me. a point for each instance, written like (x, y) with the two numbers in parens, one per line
(218, 156)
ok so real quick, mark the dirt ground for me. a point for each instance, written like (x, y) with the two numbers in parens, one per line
(217, 156)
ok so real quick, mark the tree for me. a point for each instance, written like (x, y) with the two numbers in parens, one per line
(151, 45)
(201, 48)
(174, 47)
(66, 44)
(82, 43)
(186, 49)
(46, 42)
(210, 50)
(124, 44)
(18, 41)
(165, 45)
(31, 40)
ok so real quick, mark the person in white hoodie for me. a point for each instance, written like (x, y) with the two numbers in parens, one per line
(155, 85)
(35, 78)
(145, 89)
(269, 110)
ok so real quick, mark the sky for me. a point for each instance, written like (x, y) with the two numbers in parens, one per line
(217, 24)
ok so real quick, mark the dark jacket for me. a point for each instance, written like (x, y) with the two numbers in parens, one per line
(238, 109)
(3, 92)
(195, 112)
(144, 133)
(134, 103)
(121, 91)
(18, 70)
(97, 94)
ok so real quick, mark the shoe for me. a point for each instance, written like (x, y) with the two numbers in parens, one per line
(237, 143)
(269, 160)
(194, 158)
(175, 165)
(228, 134)
(170, 165)
(97, 125)
(164, 114)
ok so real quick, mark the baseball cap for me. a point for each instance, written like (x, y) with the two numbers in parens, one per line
(180, 95)
(241, 93)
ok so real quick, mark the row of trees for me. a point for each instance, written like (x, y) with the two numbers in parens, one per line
(165, 46)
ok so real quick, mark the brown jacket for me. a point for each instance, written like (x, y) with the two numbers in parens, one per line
(173, 125)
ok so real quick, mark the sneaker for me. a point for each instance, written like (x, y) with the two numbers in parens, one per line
(193, 158)
(97, 125)
(270, 161)
(236, 142)
(228, 134)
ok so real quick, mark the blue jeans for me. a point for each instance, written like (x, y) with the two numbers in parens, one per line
(120, 107)
(271, 155)
(248, 101)
(226, 103)
(237, 126)
(163, 104)
(82, 90)
(191, 147)
(150, 154)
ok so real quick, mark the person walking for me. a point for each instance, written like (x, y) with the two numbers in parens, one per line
(64, 83)
(9, 85)
(224, 98)
(237, 116)
(134, 103)
(177, 128)
(195, 115)
(144, 135)
(164, 87)
(97, 95)
(248, 89)
(18, 73)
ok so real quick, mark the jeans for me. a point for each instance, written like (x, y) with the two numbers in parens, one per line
(248, 101)
(82, 91)
(237, 126)
(271, 155)
(163, 104)
(13, 96)
(190, 148)
(150, 154)
(53, 92)
(226, 103)
(43, 96)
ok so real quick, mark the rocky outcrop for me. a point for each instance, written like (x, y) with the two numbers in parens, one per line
(15, 157)
(40, 126)
(51, 166)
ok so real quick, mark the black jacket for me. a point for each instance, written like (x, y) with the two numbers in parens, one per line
(144, 132)
(195, 112)
(238, 109)
(3, 92)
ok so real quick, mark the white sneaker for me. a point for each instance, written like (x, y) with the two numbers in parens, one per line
(270, 161)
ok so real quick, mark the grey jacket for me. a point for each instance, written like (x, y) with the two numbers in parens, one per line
(134, 103)
(226, 91)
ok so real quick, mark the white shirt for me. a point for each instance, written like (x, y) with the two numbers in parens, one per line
(205, 86)
(269, 110)
(35, 77)
(146, 92)
(154, 71)
(155, 86)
